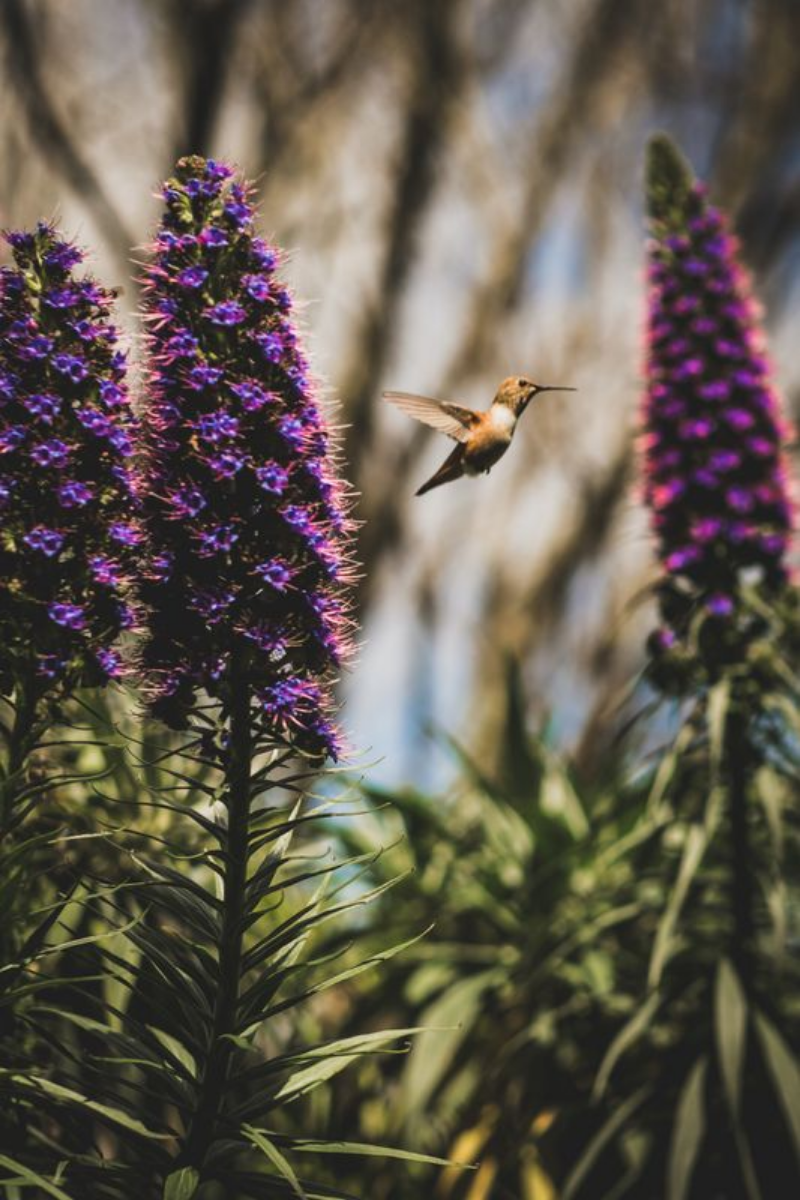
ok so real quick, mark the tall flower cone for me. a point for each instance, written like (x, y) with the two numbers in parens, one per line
(246, 516)
(66, 490)
(715, 471)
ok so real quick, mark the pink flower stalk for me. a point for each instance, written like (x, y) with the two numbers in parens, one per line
(716, 478)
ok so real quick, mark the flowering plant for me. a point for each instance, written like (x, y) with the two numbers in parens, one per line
(715, 469)
(67, 432)
(246, 518)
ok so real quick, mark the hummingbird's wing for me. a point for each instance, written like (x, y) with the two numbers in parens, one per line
(448, 418)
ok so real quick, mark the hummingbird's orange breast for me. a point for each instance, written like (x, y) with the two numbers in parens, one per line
(487, 443)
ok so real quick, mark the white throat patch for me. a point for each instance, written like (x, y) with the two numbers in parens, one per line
(503, 419)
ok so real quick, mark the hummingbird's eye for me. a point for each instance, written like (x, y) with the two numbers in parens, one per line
(520, 383)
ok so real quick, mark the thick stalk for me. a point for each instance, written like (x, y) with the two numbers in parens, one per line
(738, 766)
(212, 1089)
(21, 738)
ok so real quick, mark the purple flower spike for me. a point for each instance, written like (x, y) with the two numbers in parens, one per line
(242, 501)
(722, 507)
(65, 428)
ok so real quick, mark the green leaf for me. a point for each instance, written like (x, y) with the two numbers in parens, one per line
(447, 1022)
(33, 1178)
(773, 792)
(730, 1013)
(181, 1185)
(785, 1075)
(693, 851)
(601, 1139)
(558, 797)
(367, 1150)
(688, 1133)
(114, 1115)
(624, 1039)
(718, 704)
(334, 1057)
(667, 767)
(260, 1139)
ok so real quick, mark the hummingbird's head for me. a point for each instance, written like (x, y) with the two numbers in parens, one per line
(516, 392)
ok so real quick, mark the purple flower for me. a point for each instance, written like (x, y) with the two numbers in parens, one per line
(739, 419)
(62, 298)
(213, 605)
(217, 426)
(213, 237)
(273, 478)
(724, 460)
(227, 312)
(182, 345)
(252, 395)
(111, 663)
(51, 666)
(112, 394)
(276, 573)
(48, 541)
(271, 346)
(293, 430)
(38, 347)
(258, 287)
(203, 376)
(264, 255)
(93, 420)
(298, 517)
(72, 366)
(54, 453)
(187, 502)
(74, 494)
(11, 437)
(226, 463)
(705, 529)
(126, 532)
(105, 570)
(191, 277)
(71, 616)
(43, 405)
(218, 540)
(719, 502)
(63, 257)
(720, 605)
(239, 212)
(265, 530)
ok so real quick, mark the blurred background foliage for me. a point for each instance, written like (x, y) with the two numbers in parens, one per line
(459, 183)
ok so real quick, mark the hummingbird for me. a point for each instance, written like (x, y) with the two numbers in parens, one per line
(482, 437)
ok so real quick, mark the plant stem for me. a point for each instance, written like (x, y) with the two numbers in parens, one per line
(738, 764)
(21, 737)
(200, 1134)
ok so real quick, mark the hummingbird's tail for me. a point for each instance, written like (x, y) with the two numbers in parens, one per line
(452, 468)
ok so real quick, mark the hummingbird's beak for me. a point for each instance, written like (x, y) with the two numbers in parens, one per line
(555, 389)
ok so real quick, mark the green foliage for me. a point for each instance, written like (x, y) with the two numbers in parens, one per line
(516, 981)
(115, 997)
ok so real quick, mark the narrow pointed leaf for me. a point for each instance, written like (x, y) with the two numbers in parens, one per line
(785, 1072)
(278, 1160)
(688, 1133)
(730, 1025)
(33, 1178)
